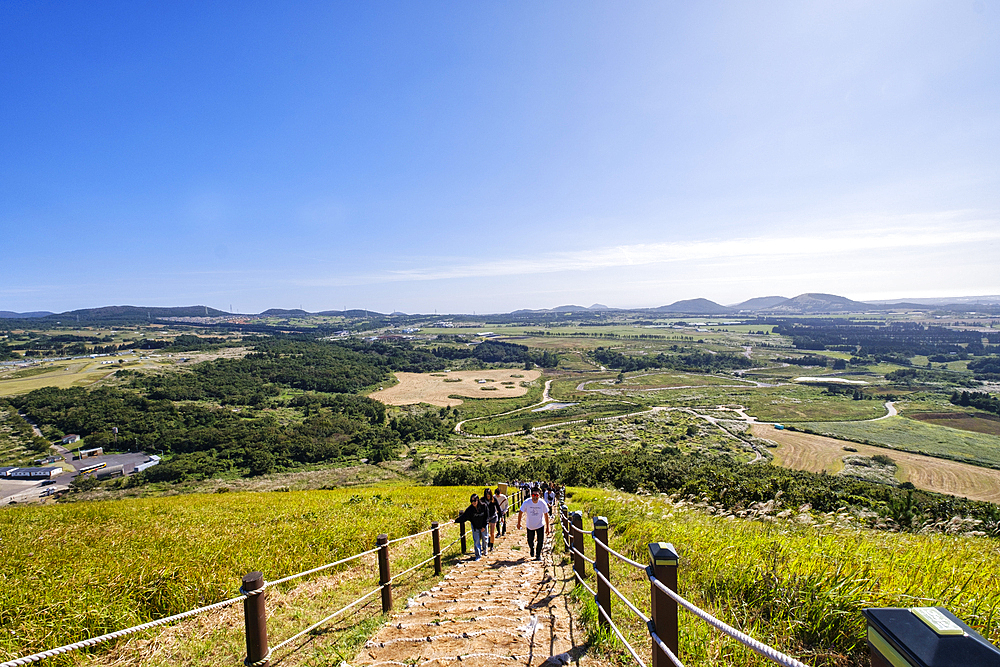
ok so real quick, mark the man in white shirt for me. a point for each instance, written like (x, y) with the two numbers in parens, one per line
(538, 519)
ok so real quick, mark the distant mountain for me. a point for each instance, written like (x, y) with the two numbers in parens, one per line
(694, 307)
(354, 312)
(814, 302)
(964, 301)
(125, 314)
(280, 312)
(10, 315)
(564, 309)
(760, 303)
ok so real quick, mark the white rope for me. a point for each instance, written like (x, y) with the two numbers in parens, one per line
(35, 657)
(316, 625)
(584, 583)
(628, 603)
(663, 647)
(614, 628)
(120, 633)
(423, 562)
(624, 559)
(407, 537)
(747, 640)
(582, 555)
(312, 571)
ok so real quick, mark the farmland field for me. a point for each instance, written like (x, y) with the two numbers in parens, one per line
(976, 422)
(437, 388)
(902, 433)
(816, 453)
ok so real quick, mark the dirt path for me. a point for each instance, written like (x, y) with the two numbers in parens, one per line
(505, 609)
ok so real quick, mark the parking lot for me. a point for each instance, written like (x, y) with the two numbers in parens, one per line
(31, 491)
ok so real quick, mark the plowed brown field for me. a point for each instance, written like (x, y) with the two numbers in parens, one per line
(804, 451)
(432, 388)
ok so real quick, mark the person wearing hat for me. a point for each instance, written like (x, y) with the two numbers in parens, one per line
(478, 516)
(538, 519)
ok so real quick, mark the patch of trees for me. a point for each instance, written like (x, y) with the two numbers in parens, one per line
(299, 364)
(698, 362)
(980, 400)
(207, 418)
(902, 340)
(206, 441)
(987, 368)
(918, 375)
(734, 485)
(499, 352)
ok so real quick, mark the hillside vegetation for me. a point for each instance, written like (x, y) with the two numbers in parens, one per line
(797, 586)
(83, 569)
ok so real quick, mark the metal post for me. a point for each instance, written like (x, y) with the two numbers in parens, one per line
(255, 621)
(436, 537)
(663, 566)
(579, 565)
(384, 578)
(461, 534)
(602, 564)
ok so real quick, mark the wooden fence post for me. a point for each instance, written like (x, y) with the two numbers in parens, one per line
(255, 620)
(602, 564)
(579, 565)
(436, 537)
(384, 578)
(461, 534)
(663, 566)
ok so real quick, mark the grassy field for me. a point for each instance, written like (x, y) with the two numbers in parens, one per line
(532, 418)
(799, 588)
(816, 453)
(917, 436)
(83, 569)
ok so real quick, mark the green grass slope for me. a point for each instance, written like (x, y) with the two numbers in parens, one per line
(79, 570)
(799, 587)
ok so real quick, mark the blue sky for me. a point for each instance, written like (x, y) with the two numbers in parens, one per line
(482, 156)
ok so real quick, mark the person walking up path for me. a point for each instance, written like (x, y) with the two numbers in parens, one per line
(504, 610)
(478, 515)
(504, 504)
(538, 520)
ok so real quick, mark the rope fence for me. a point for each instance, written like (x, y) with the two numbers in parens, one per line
(662, 623)
(258, 652)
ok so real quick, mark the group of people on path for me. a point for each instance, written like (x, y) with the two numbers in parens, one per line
(489, 513)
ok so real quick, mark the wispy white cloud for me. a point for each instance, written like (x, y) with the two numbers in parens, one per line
(835, 240)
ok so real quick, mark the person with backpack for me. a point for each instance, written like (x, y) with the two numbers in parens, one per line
(478, 516)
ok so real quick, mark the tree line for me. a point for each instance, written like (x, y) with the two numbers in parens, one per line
(722, 480)
(698, 362)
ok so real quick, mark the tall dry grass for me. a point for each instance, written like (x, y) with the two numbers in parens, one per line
(798, 588)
